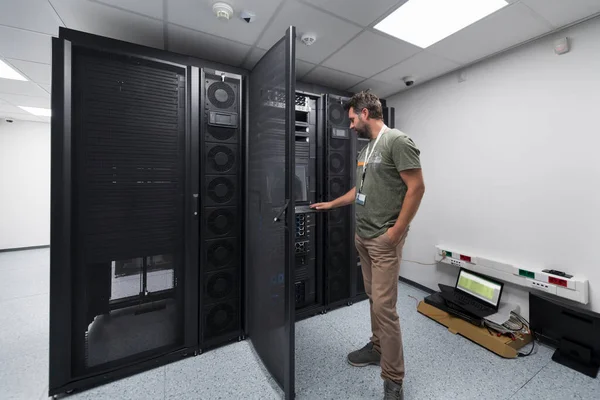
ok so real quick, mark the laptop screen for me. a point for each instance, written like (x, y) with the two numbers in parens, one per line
(481, 288)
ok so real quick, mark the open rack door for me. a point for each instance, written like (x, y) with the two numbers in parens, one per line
(123, 259)
(270, 211)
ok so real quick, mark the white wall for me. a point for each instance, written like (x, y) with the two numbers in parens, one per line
(511, 159)
(24, 184)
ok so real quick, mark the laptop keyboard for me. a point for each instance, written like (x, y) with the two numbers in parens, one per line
(467, 300)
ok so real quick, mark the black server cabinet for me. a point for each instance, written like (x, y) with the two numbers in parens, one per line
(221, 208)
(340, 156)
(124, 282)
(270, 223)
(308, 276)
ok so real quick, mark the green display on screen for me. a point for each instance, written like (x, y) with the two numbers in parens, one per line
(476, 287)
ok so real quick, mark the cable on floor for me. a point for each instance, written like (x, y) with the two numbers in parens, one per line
(417, 300)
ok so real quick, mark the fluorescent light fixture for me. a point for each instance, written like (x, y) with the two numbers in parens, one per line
(40, 112)
(7, 72)
(425, 22)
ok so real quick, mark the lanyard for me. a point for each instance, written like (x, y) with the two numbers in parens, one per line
(368, 154)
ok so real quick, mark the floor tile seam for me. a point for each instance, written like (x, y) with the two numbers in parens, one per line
(512, 396)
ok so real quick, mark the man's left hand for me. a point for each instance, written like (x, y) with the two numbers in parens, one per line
(395, 234)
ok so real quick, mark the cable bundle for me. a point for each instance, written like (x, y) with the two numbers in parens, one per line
(515, 324)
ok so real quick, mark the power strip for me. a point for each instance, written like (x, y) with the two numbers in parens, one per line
(575, 288)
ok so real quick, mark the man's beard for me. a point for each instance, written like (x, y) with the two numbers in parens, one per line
(364, 132)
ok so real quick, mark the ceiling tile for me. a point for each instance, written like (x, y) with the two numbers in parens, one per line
(561, 12)
(99, 19)
(332, 33)
(381, 89)
(198, 15)
(24, 45)
(355, 10)
(151, 8)
(205, 46)
(370, 53)
(25, 88)
(33, 15)
(510, 26)
(9, 109)
(331, 78)
(255, 55)
(302, 68)
(421, 66)
(27, 101)
(36, 72)
(20, 117)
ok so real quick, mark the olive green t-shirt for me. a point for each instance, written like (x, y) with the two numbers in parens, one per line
(384, 188)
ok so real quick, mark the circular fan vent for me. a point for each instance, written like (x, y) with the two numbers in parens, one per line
(220, 317)
(220, 254)
(220, 222)
(220, 133)
(337, 289)
(336, 236)
(336, 187)
(221, 190)
(221, 158)
(336, 216)
(337, 114)
(219, 286)
(336, 163)
(336, 262)
(337, 143)
(221, 95)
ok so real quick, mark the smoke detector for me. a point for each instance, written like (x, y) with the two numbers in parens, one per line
(223, 11)
(308, 38)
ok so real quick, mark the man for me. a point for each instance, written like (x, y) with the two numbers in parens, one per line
(388, 191)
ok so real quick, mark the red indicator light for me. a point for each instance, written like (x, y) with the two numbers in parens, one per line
(557, 281)
(465, 258)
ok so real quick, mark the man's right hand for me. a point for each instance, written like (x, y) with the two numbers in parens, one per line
(322, 206)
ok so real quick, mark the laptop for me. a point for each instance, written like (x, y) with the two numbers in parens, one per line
(475, 293)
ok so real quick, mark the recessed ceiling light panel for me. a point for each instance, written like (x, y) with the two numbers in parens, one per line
(40, 112)
(425, 22)
(7, 72)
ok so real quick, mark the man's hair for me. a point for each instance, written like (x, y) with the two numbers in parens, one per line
(367, 100)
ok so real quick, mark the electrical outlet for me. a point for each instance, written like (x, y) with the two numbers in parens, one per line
(456, 263)
(542, 286)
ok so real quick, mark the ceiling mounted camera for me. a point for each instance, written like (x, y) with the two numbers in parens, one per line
(248, 16)
(409, 81)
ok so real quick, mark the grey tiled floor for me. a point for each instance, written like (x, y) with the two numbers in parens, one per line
(439, 365)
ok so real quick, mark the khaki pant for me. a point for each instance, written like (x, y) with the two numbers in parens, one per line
(380, 261)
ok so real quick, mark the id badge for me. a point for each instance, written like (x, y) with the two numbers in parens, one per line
(361, 198)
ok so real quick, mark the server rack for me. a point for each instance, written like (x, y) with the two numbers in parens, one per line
(221, 204)
(308, 267)
(121, 203)
(127, 250)
(339, 156)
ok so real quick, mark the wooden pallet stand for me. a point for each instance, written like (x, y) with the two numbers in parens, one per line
(503, 346)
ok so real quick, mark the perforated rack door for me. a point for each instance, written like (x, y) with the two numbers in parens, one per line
(270, 212)
(129, 187)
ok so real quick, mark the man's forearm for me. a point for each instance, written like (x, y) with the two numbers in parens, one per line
(410, 206)
(345, 200)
